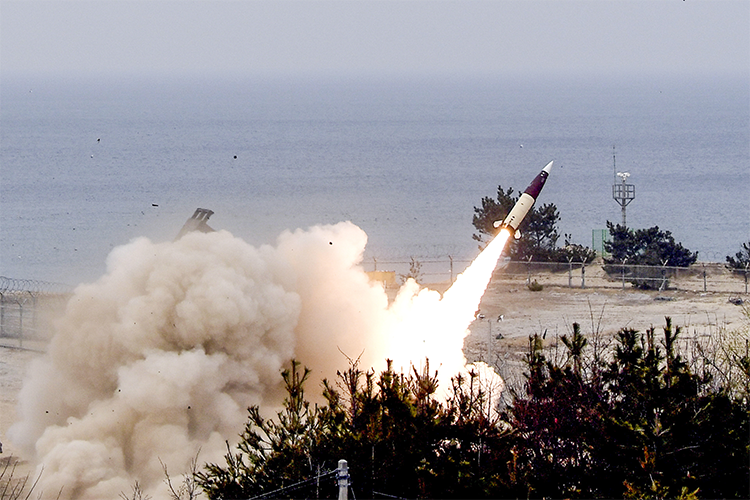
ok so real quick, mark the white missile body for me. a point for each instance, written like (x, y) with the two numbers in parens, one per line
(524, 203)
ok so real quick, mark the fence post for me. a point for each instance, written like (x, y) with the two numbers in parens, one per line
(451, 259)
(570, 272)
(583, 274)
(20, 325)
(705, 289)
(528, 271)
(33, 312)
(489, 341)
(663, 275)
(343, 477)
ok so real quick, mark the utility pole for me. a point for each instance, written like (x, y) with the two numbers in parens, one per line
(343, 477)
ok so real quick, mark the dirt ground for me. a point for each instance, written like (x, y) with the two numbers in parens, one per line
(511, 313)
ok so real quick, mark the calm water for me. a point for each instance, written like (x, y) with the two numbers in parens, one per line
(84, 163)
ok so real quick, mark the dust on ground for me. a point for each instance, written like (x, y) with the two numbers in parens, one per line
(13, 365)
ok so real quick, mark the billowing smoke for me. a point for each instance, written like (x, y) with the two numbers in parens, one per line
(162, 355)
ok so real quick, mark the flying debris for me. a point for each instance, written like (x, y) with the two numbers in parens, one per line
(524, 203)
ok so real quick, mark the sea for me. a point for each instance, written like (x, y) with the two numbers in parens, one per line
(88, 164)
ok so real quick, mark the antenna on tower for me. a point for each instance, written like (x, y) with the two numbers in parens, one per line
(622, 192)
(614, 164)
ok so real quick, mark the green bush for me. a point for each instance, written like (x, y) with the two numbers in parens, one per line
(535, 286)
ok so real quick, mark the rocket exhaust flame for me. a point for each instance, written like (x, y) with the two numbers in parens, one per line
(428, 326)
(160, 357)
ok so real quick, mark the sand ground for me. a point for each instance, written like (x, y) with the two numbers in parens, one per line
(512, 310)
(511, 314)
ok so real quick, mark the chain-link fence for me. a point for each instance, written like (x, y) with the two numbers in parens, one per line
(393, 272)
(706, 277)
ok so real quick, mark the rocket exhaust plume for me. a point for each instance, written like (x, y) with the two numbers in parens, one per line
(436, 327)
(428, 326)
(161, 356)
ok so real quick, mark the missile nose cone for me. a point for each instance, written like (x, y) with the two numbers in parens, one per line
(548, 167)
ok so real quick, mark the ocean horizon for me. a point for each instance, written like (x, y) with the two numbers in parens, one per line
(89, 165)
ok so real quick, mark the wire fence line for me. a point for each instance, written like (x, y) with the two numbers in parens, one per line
(25, 303)
(701, 277)
(26, 309)
(429, 269)
(313, 485)
(35, 287)
(307, 483)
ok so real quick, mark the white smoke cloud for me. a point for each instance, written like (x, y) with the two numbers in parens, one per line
(162, 355)
(342, 311)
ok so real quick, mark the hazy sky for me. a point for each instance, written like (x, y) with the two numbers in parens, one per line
(380, 37)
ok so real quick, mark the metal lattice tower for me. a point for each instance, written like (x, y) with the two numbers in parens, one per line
(622, 192)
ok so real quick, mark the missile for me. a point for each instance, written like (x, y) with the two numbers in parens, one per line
(524, 203)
